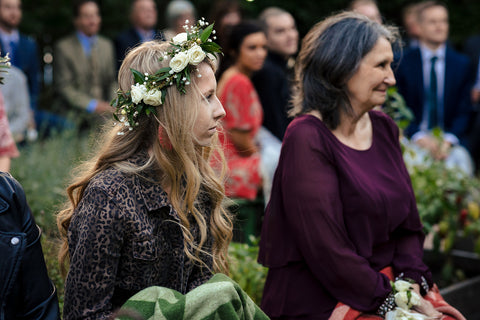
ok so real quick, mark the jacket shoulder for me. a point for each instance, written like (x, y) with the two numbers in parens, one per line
(110, 181)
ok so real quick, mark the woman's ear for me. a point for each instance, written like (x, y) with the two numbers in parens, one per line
(163, 139)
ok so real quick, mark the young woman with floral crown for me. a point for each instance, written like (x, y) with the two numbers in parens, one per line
(147, 210)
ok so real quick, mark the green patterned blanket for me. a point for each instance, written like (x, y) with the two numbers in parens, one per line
(219, 298)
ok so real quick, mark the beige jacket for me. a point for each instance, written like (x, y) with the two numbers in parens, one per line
(78, 78)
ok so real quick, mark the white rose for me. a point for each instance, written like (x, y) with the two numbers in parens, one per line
(138, 92)
(153, 97)
(401, 285)
(195, 55)
(414, 299)
(401, 299)
(179, 62)
(180, 39)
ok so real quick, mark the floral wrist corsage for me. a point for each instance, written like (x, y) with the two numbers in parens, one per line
(405, 299)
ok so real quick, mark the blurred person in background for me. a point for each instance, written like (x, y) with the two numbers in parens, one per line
(22, 50)
(251, 150)
(84, 67)
(178, 14)
(410, 24)
(17, 104)
(143, 18)
(272, 82)
(8, 148)
(436, 82)
(368, 8)
(225, 14)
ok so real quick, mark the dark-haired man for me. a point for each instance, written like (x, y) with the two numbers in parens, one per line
(272, 82)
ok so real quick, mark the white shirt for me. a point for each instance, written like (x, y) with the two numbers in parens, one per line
(426, 55)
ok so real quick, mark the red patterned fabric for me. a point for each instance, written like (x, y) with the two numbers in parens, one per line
(344, 312)
(243, 112)
(7, 144)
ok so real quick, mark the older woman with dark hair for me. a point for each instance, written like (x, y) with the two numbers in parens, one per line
(342, 220)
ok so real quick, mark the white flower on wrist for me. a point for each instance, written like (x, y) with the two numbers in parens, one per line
(138, 91)
(179, 62)
(180, 39)
(153, 97)
(402, 285)
(195, 55)
(405, 297)
(402, 314)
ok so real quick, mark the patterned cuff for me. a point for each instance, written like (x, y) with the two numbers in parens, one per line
(424, 285)
(387, 305)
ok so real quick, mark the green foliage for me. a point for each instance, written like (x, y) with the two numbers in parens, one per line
(397, 109)
(42, 170)
(245, 270)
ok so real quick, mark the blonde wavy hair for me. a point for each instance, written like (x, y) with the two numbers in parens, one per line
(185, 168)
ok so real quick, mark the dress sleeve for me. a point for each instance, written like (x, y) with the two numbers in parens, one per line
(95, 238)
(241, 105)
(313, 207)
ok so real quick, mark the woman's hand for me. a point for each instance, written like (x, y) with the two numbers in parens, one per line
(425, 307)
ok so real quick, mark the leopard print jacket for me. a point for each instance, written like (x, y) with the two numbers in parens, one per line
(123, 237)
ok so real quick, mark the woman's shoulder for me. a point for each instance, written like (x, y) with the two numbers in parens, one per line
(304, 126)
(307, 131)
(110, 181)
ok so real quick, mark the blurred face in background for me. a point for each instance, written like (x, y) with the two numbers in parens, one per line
(252, 53)
(282, 34)
(370, 10)
(433, 24)
(181, 21)
(144, 14)
(10, 14)
(88, 20)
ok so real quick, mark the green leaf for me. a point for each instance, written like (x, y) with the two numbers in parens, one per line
(163, 70)
(211, 47)
(138, 77)
(206, 33)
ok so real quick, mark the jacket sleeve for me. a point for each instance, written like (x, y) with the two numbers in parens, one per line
(33, 295)
(95, 238)
(314, 206)
(65, 78)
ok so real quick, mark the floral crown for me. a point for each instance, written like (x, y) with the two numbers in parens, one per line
(148, 91)
(4, 64)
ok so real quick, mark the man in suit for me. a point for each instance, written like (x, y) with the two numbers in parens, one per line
(143, 17)
(272, 82)
(84, 64)
(21, 48)
(435, 81)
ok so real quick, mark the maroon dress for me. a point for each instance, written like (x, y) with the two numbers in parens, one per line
(336, 217)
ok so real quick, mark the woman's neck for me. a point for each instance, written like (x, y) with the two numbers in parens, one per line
(355, 131)
(241, 69)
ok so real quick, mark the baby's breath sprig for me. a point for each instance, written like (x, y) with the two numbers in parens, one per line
(148, 91)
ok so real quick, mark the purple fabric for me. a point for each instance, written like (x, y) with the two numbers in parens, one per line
(336, 217)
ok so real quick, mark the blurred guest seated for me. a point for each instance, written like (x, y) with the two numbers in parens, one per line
(84, 67)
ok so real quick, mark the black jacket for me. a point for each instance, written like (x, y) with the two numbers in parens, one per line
(26, 292)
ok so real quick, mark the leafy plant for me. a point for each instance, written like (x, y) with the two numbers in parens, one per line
(245, 270)
(448, 200)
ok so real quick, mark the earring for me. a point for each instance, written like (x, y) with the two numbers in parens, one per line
(163, 139)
